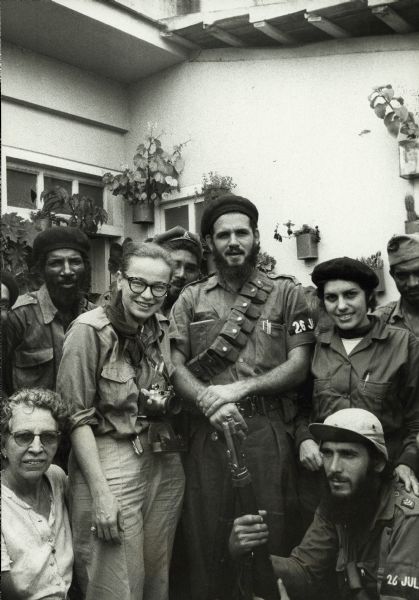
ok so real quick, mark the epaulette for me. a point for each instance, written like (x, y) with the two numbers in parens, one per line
(273, 275)
(407, 501)
(201, 280)
(24, 300)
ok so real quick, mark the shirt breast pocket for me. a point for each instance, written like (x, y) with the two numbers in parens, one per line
(117, 384)
(271, 348)
(202, 334)
(372, 397)
(32, 366)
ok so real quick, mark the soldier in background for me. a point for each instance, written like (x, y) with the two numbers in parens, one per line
(403, 256)
(241, 345)
(186, 251)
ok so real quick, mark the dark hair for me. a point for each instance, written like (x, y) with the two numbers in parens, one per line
(35, 398)
(145, 250)
(370, 296)
(184, 244)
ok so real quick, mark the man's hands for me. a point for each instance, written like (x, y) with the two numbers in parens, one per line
(248, 531)
(406, 475)
(217, 402)
(310, 455)
(106, 517)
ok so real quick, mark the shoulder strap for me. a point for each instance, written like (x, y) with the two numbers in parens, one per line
(234, 335)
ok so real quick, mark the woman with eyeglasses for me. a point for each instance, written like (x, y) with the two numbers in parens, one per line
(126, 477)
(36, 547)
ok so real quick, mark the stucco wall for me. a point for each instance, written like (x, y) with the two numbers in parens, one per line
(287, 125)
(60, 110)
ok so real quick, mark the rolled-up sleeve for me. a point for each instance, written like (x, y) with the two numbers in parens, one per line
(77, 375)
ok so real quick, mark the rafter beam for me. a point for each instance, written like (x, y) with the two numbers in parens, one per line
(178, 39)
(274, 33)
(388, 16)
(325, 25)
(224, 36)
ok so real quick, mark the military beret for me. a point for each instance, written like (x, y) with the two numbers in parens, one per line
(56, 238)
(402, 248)
(227, 203)
(347, 269)
(9, 281)
(179, 234)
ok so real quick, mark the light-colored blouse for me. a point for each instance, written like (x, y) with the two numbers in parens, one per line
(37, 551)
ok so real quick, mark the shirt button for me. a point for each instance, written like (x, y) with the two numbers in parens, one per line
(244, 304)
(225, 348)
(259, 282)
(241, 360)
(254, 289)
(234, 330)
(239, 319)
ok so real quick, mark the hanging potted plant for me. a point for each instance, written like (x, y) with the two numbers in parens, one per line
(154, 176)
(376, 263)
(307, 239)
(85, 214)
(411, 225)
(401, 124)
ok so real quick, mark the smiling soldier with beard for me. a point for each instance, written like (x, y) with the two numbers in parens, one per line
(37, 323)
(366, 527)
(241, 345)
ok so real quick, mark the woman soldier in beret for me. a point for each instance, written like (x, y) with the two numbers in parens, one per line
(362, 362)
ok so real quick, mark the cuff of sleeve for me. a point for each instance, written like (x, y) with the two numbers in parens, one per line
(300, 339)
(301, 435)
(83, 417)
(410, 459)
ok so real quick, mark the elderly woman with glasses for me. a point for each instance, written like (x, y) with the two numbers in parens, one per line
(36, 548)
(126, 477)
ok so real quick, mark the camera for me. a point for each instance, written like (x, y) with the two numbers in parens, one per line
(159, 400)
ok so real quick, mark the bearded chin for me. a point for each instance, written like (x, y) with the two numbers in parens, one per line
(236, 273)
(357, 509)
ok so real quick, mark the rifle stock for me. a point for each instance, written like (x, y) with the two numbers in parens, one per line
(264, 580)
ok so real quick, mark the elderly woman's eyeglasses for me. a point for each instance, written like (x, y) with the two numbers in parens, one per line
(25, 438)
(138, 286)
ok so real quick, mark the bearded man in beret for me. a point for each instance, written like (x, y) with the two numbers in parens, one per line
(38, 320)
(403, 257)
(241, 345)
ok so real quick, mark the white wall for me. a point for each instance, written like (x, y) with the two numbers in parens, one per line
(286, 125)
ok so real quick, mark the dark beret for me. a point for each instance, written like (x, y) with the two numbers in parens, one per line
(56, 238)
(227, 203)
(347, 269)
(177, 234)
(9, 281)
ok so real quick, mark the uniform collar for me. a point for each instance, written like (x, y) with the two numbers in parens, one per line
(379, 331)
(48, 308)
(397, 312)
(154, 328)
(256, 277)
(386, 505)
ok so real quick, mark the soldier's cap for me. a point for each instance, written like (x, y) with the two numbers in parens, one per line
(177, 234)
(9, 281)
(56, 238)
(347, 269)
(226, 203)
(351, 425)
(402, 248)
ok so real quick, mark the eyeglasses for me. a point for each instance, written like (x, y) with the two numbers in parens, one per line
(138, 286)
(25, 438)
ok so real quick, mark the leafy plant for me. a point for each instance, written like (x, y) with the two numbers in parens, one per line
(154, 176)
(374, 261)
(85, 214)
(265, 262)
(314, 231)
(213, 185)
(394, 112)
(16, 240)
(409, 202)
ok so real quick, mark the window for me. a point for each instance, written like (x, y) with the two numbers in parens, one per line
(176, 216)
(185, 211)
(26, 181)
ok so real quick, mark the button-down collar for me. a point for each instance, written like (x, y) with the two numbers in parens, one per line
(48, 308)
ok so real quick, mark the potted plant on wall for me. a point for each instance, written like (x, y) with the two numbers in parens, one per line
(85, 214)
(376, 263)
(54, 201)
(400, 123)
(154, 176)
(306, 237)
(214, 185)
(411, 225)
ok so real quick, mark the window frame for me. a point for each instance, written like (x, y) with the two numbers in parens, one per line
(187, 196)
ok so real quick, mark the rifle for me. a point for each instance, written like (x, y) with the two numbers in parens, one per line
(263, 577)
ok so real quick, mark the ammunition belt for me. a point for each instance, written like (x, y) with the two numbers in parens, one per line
(234, 335)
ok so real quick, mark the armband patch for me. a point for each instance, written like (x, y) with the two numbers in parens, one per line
(408, 502)
(401, 585)
(301, 326)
